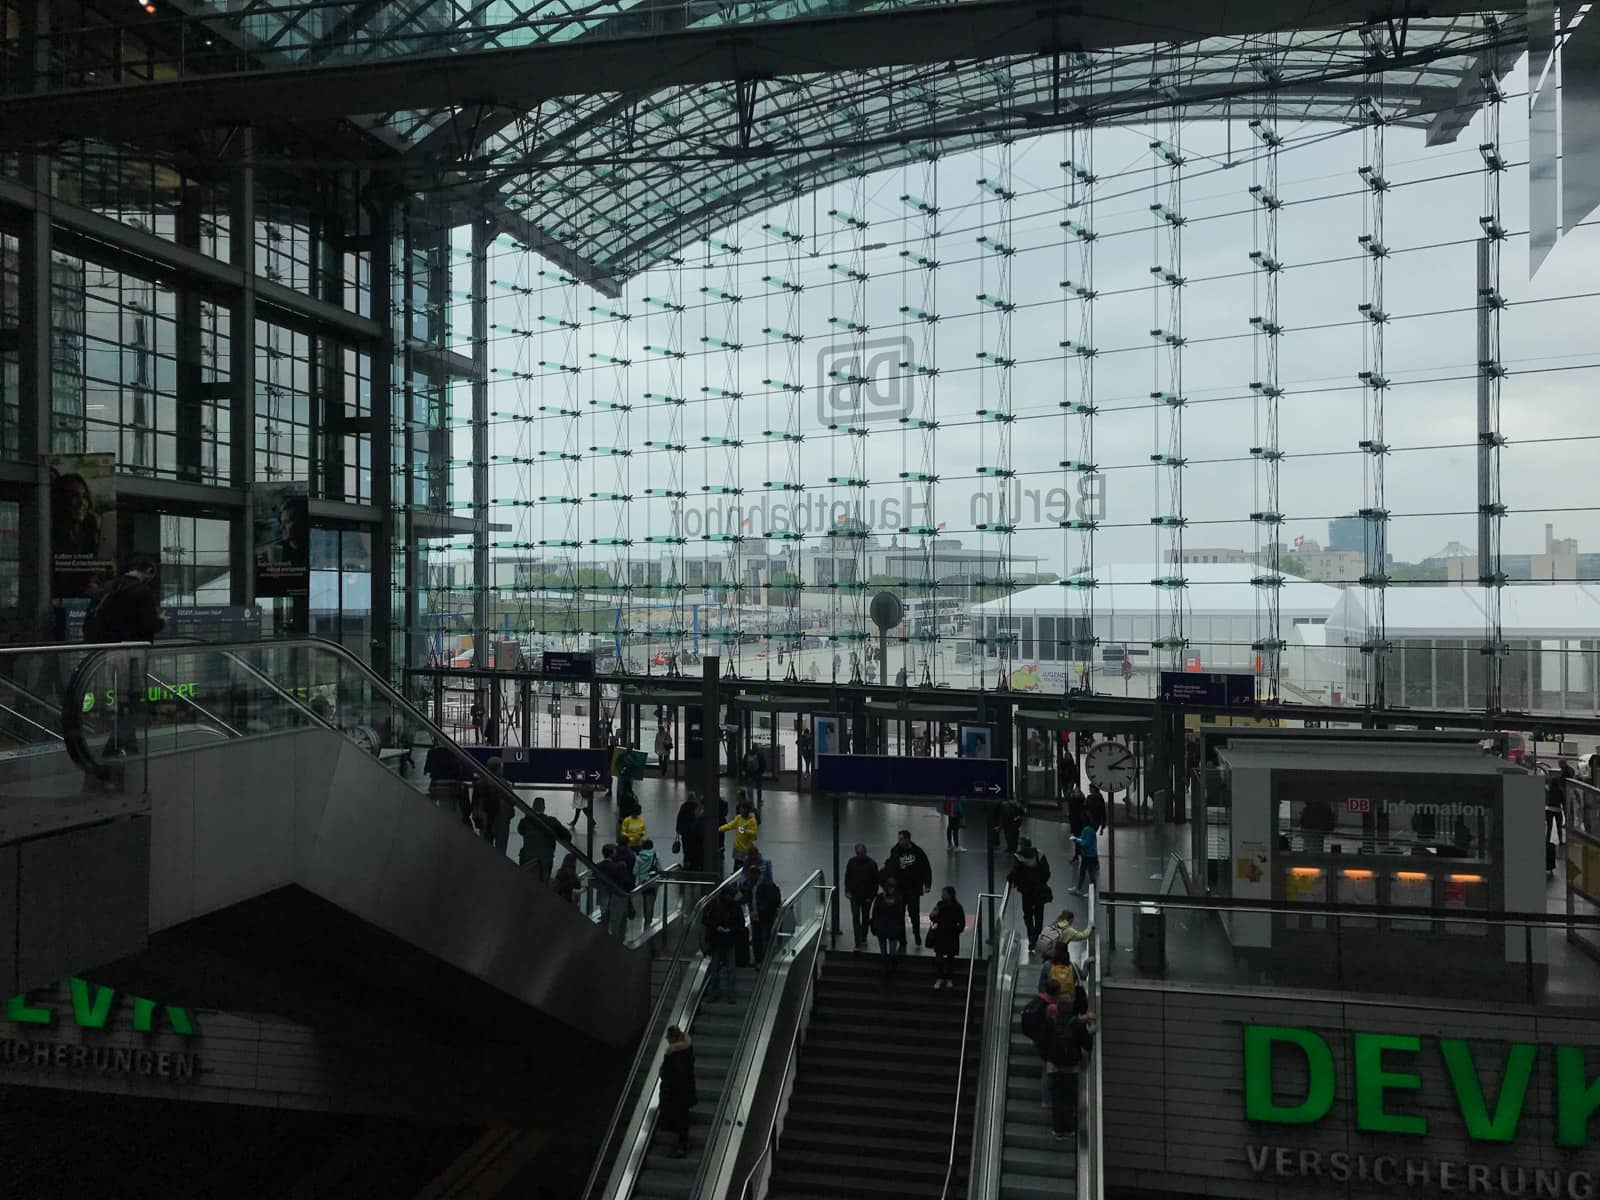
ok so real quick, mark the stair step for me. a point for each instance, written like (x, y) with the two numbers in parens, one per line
(1014, 1186)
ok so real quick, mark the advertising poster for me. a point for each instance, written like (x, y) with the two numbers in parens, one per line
(976, 741)
(83, 523)
(825, 732)
(283, 540)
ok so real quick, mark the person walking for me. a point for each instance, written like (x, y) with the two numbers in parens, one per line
(487, 801)
(1077, 810)
(1030, 876)
(861, 885)
(540, 834)
(1088, 859)
(645, 868)
(678, 1095)
(689, 828)
(1037, 1022)
(1095, 808)
(753, 770)
(724, 931)
(806, 749)
(1059, 932)
(664, 750)
(889, 926)
(614, 899)
(946, 923)
(745, 827)
(907, 864)
(1011, 814)
(125, 610)
(566, 881)
(953, 811)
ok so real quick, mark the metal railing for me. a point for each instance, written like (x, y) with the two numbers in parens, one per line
(684, 962)
(1090, 1134)
(984, 898)
(1006, 959)
(754, 1045)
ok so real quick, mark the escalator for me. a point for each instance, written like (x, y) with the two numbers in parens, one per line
(734, 1050)
(259, 838)
(1015, 1155)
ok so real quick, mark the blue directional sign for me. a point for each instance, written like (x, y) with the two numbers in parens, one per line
(586, 768)
(568, 664)
(1201, 690)
(972, 779)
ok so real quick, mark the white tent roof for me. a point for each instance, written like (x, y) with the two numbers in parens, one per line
(1125, 588)
(1545, 609)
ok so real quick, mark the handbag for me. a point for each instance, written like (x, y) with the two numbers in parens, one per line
(677, 845)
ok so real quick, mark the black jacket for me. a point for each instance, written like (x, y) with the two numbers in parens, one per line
(688, 823)
(768, 900)
(540, 837)
(945, 925)
(618, 872)
(861, 878)
(677, 1078)
(1096, 806)
(1069, 1043)
(124, 610)
(909, 868)
(1030, 881)
(889, 918)
(724, 923)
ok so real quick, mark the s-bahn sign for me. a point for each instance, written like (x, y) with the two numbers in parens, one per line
(1385, 1090)
(97, 1022)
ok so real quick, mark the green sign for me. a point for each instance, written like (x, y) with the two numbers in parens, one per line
(1386, 1082)
(91, 1009)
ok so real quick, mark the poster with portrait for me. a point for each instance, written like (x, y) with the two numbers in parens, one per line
(827, 734)
(283, 540)
(83, 523)
(976, 741)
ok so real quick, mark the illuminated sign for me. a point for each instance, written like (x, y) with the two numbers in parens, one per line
(1384, 1078)
(91, 1007)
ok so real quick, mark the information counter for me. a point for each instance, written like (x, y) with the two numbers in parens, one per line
(1384, 826)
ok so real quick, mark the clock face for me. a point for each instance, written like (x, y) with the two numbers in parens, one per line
(1111, 765)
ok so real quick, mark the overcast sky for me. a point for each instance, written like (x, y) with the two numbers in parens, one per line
(1431, 223)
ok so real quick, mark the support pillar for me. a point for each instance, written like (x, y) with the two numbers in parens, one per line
(34, 332)
(242, 368)
(482, 236)
(710, 762)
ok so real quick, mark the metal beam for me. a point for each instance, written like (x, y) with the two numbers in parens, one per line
(521, 76)
(97, 237)
(514, 225)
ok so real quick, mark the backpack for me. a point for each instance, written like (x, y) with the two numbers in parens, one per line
(97, 625)
(1035, 1021)
(1066, 979)
(1064, 1050)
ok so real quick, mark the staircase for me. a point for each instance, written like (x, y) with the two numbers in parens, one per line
(1033, 1165)
(874, 1093)
(715, 1034)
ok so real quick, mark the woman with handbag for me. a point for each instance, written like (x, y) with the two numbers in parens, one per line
(946, 923)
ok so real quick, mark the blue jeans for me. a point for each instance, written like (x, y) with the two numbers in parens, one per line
(724, 979)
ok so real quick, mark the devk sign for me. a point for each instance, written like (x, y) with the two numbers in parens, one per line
(1384, 1089)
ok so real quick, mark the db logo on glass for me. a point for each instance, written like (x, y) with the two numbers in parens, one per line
(1358, 804)
(864, 382)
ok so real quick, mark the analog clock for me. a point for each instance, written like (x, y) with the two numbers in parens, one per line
(1112, 767)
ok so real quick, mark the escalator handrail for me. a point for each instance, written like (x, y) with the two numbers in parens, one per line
(791, 1051)
(983, 1170)
(1091, 1147)
(647, 1043)
(72, 716)
(966, 1022)
(756, 1017)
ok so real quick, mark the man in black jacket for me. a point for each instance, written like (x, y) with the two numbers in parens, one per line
(541, 834)
(907, 864)
(1068, 1044)
(125, 610)
(861, 885)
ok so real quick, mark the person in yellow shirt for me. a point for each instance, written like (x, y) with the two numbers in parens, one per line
(745, 827)
(632, 829)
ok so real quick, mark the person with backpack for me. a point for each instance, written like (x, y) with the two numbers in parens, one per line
(1060, 972)
(861, 885)
(540, 834)
(1060, 931)
(678, 1093)
(889, 926)
(1030, 876)
(722, 933)
(765, 901)
(946, 923)
(907, 864)
(1071, 1039)
(953, 811)
(1036, 1021)
(125, 610)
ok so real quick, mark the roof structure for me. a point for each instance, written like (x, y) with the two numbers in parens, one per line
(1210, 588)
(608, 164)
